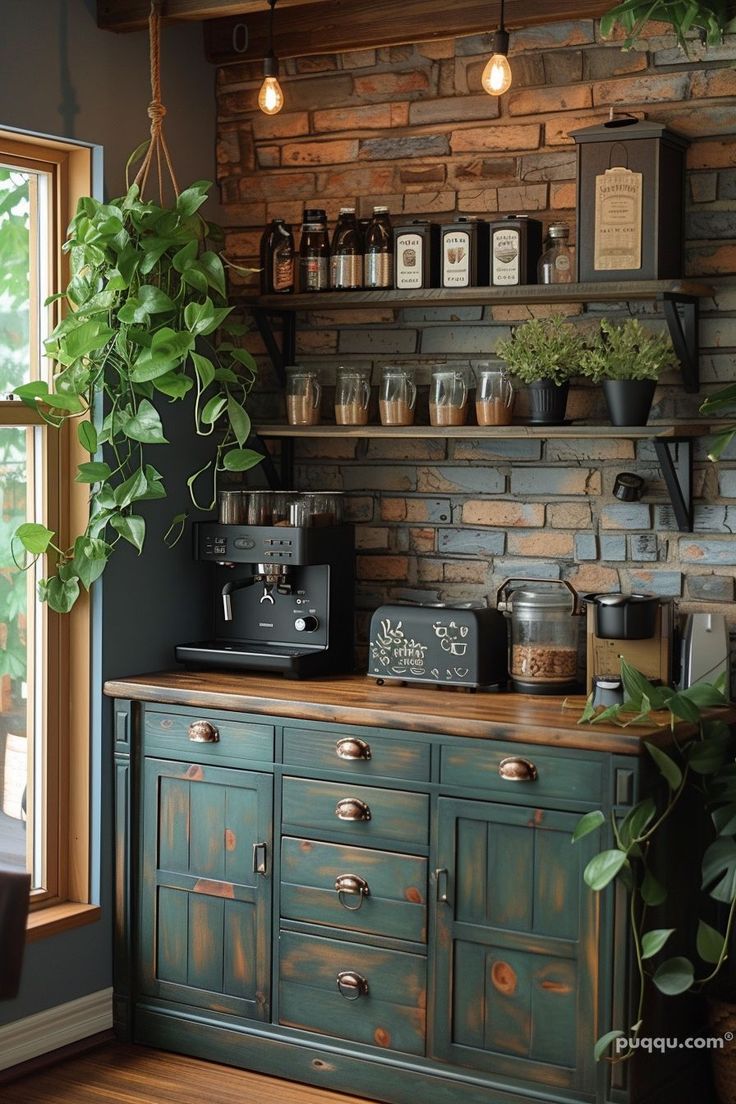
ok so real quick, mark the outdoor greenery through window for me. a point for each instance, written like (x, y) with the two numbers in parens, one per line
(37, 677)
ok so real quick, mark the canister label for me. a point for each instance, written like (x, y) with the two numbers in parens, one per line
(505, 259)
(618, 220)
(409, 261)
(456, 260)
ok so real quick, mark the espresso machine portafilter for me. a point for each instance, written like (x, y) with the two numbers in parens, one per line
(282, 592)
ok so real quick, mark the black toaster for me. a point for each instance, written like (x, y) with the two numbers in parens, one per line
(449, 645)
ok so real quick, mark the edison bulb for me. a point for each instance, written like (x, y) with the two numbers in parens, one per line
(271, 98)
(496, 77)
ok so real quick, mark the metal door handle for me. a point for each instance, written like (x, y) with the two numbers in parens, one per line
(352, 748)
(351, 986)
(202, 732)
(515, 769)
(350, 808)
(442, 879)
(260, 854)
(354, 885)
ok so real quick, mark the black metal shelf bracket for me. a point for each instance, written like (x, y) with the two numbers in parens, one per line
(682, 314)
(281, 354)
(676, 462)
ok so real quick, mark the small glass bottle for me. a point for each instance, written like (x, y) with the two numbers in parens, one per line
(314, 252)
(556, 263)
(277, 259)
(379, 250)
(346, 258)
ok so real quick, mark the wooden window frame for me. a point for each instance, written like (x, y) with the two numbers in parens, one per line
(65, 899)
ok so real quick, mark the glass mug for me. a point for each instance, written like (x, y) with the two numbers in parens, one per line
(448, 397)
(352, 396)
(494, 396)
(397, 397)
(303, 394)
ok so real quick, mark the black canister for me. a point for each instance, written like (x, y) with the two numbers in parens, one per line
(417, 255)
(516, 246)
(465, 253)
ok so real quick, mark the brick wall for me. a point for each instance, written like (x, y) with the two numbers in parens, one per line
(408, 127)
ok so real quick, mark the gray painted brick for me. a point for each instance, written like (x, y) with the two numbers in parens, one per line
(391, 149)
(710, 225)
(613, 546)
(629, 515)
(370, 478)
(727, 484)
(461, 479)
(706, 518)
(478, 340)
(727, 184)
(693, 550)
(441, 314)
(378, 339)
(710, 588)
(643, 547)
(498, 450)
(586, 546)
(667, 584)
(555, 481)
(526, 569)
(471, 542)
(414, 594)
(439, 510)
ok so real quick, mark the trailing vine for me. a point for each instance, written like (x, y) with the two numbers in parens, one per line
(711, 19)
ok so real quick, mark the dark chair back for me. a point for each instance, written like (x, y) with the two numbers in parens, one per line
(15, 890)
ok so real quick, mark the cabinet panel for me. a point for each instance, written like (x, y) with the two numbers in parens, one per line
(237, 743)
(395, 902)
(567, 776)
(204, 911)
(391, 1010)
(362, 753)
(517, 945)
(386, 814)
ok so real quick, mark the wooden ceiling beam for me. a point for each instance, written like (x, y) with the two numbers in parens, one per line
(336, 25)
(132, 15)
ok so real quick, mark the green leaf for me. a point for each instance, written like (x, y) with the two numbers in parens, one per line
(191, 199)
(185, 256)
(35, 538)
(132, 489)
(587, 824)
(603, 868)
(213, 409)
(198, 316)
(90, 558)
(131, 527)
(87, 436)
(145, 425)
(174, 384)
(652, 891)
(61, 594)
(239, 420)
(195, 278)
(637, 687)
(707, 756)
(674, 976)
(683, 708)
(204, 368)
(653, 941)
(155, 300)
(668, 768)
(71, 403)
(636, 821)
(87, 338)
(213, 269)
(719, 870)
(29, 392)
(245, 358)
(241, 459)
(709, 942)
(168, 349)
(175, 532)
(604, 1042)
(93, 472)
(724, 819)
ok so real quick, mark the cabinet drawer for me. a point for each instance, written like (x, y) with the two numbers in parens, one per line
(355, 813)
(362, 754)
(207, 737)
(380, 1001)
(545, 774)
(379, 892)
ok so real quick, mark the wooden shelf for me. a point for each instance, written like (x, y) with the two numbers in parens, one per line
(598, 292)
(512, 432)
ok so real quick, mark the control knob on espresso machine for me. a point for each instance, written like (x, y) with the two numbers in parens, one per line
(306, 624)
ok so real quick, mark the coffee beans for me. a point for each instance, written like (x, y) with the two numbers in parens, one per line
(543, 661)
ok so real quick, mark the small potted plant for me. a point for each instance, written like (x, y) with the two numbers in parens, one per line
(627, 360)
(543, 354)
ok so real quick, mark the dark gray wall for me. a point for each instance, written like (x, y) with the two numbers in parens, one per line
(60, 75)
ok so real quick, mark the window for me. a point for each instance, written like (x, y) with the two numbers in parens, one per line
(44, 660)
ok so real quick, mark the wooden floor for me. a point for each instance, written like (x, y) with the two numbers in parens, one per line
(117, 1074)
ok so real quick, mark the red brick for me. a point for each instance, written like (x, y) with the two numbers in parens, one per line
(291, 125)
(465, 572)
(562, 194)
(543, 100)
(716, 260)
(235, 147)
(316, 341)
(242, 244)
(557, 546)
(380, 568)
(320, 153)
(391, 84)
(713, 82)
(371, 538)
(652, 29)
(422, 541)
(483, 201)
(636, 90)
(503, 514)
(549, 36)
(376, 180)
(316, 63)
(430, 571)
(244, 214)
(358, 59)
(290, 211)
(454, 109)
(425, 203)
(499, 138)
(369, 117)
(407, 509)
(714, 154)
(570, 515)
(698, 120)
(609, 61)
(406, 449)
(557, 131)
(418, 176)
(593, 577)
(481, 172)
(443, 48)
(269, 157)
(325, 448)
(521, 313)
(523, 197)
(273, 185)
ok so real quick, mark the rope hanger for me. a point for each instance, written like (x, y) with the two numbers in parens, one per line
(157, 147)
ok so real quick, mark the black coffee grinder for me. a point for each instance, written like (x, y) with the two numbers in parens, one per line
(283, 598)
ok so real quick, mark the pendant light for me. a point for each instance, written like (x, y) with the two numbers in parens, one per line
(271, 96)
(496, 77)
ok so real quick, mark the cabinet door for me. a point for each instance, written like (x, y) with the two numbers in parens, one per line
(205, 907)
(517, 944)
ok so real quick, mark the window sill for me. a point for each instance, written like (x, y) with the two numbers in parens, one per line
(59, 918)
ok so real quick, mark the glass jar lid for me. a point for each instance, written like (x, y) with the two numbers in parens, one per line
(531, 600)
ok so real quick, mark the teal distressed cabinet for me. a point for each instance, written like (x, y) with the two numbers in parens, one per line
(374, 892)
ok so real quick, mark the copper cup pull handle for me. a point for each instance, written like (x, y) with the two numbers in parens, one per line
(352, 748)
(515, 769)
(351, 885)
(350, 808)
(202, 732)
(351, 986)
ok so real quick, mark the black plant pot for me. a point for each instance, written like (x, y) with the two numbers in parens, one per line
(547, 402)
(629, 401)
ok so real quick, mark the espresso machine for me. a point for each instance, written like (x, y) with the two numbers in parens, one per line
(638, 627)
(282, 597)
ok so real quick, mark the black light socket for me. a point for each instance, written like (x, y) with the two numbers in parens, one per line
(270, 65)
(501, 42)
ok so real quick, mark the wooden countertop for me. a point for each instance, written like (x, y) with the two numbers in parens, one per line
(356, 699)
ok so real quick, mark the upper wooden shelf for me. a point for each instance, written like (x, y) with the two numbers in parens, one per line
(512, 432)
(607, 292)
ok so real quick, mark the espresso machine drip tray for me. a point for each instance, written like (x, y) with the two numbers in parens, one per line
(249, 655)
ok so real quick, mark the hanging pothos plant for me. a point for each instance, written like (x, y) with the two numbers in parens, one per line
(711, 19)
(146, 297)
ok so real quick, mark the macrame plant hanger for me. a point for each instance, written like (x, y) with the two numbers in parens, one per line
(158, 150)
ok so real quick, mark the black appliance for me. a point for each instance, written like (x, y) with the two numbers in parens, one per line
(282, 599)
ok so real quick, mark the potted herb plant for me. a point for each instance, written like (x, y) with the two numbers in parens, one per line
(543, 354)
(627, 360)
(698, 769)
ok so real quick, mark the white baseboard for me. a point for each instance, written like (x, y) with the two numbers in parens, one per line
(55, 1027)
